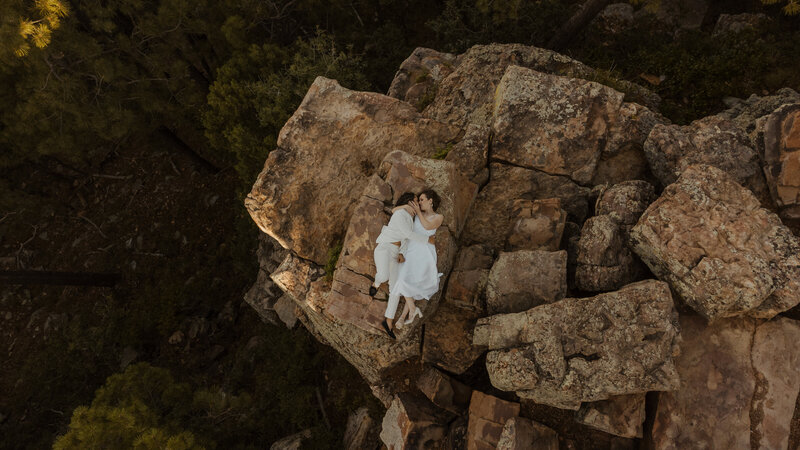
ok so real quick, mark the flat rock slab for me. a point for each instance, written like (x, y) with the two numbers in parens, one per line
(520, 433)
(523, 279)
(448, 338)
(343, 136)
(487, 416)
(621, 416)
(587, 349)
(555, 124)
(721, 253)
(738, 386)
(491, 219)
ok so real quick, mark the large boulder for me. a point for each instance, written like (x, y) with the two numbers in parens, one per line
(343, 136)
(587, 349)
(444, 391)
(264, 296)
(713, 140)
(520, 433)
(491, 218)
(416, 80)
(538, 225)
(621, 416)
(487, 416)
(738, 386)
(466, 95)
(413, 422)
(782, 158)
(561, 125)
(526, 278)
(361, 431)
(603, 261)
(719, 250)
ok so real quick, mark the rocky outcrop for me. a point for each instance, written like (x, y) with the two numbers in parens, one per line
(738, 386)
(621, 416)
(487, 416)
(520, 433)
(583, 350)
(713, 140)
(719, 250)
(526, 278)
(264, 296)
(604, 261)
(736, 23)
(343, 135)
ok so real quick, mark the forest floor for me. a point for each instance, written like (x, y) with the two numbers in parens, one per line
(180, 238)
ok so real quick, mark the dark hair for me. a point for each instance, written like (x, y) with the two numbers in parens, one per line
(405, 198)
(431, 194)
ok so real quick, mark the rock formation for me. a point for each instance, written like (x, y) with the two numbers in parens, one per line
(551, 191)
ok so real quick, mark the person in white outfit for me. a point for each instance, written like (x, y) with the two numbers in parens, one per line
(392, 244)
(418, 277)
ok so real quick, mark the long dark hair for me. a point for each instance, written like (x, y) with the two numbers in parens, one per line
(431, 194)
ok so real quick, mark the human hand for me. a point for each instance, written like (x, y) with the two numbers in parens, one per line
(401, 258)
(415, 206)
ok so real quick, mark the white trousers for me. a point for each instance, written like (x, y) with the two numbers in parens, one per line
(386, 264)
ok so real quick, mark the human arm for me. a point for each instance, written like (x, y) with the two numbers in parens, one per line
(430, 223)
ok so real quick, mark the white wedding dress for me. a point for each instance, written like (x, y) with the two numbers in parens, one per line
(418, 277)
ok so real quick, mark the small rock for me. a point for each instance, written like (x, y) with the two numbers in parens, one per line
(293, 442)
(524, 434)
(487, 416)
(361, 431)
(413, 422)
(621, 416)
(444, 391)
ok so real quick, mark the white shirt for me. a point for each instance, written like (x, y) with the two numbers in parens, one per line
(400, 229)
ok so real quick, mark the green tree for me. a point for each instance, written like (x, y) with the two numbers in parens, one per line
(141, 408)
(27, 24)
(259, 87)
(791, 8)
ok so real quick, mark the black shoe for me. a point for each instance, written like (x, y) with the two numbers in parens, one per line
(388, 330)
(372, 291)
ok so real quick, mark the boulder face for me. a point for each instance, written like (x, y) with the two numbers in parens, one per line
(343, 135)
(526, 278)
(782, 158)
(621, 416)
(415, 81)
(713, 140)
(719, 250)
(487, 416)
(738, 386)
(583, 350)
(538, 225)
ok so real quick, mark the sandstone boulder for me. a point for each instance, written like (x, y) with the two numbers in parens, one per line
(413, 422)
(746, 112)
(344, 135)
(738, 386)
(466, 95)
(568, 124)
(588, 349)
(361, 431)
(719, 250)
(625, 202)
(444, 391)
(526, 278)
(782, 158)
(538, 225)
(604, 262)
(621, 416)
(487, 416)
(520, 433)
(713, 140)
(491, 218)
(416, 80)
(471, 153)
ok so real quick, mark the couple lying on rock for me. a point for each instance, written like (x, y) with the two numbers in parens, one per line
(406, 257)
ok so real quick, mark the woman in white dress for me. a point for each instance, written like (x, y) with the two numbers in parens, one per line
(418, 277)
